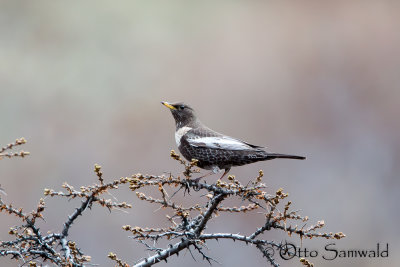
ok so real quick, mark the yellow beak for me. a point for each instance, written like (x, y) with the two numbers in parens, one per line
(168, 105)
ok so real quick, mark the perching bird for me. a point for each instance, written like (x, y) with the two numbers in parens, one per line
(214, 151)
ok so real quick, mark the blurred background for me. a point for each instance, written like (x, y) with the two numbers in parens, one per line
(83, 81)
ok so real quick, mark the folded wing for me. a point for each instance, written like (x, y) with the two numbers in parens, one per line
(221, 142)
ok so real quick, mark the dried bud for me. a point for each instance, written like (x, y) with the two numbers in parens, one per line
(47, 191)
(126, 227)
(97, 167)
(112, 256)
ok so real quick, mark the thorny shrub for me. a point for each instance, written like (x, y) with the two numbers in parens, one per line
(188, 225)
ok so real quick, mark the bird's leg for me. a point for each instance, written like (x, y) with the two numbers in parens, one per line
(205, 175)
(215, 170)
(225, 172)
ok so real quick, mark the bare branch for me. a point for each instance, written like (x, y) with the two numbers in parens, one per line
(188, 224)
(18, 142)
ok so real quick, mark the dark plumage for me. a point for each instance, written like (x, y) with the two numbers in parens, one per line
(214, 151)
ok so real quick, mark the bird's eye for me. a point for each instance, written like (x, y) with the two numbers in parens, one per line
(182, 107)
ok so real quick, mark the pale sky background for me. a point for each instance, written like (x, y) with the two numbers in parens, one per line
(83, 81)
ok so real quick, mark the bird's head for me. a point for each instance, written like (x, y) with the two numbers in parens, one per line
(183, 114)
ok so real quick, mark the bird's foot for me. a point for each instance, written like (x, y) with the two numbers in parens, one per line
(187, 188)
(197, 180)
(195, 183)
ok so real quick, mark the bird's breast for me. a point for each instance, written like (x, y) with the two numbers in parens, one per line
(179, 133)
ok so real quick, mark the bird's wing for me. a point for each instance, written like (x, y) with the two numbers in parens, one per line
(218, 141)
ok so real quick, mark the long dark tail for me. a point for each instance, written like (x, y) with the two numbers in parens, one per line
(283, 156)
